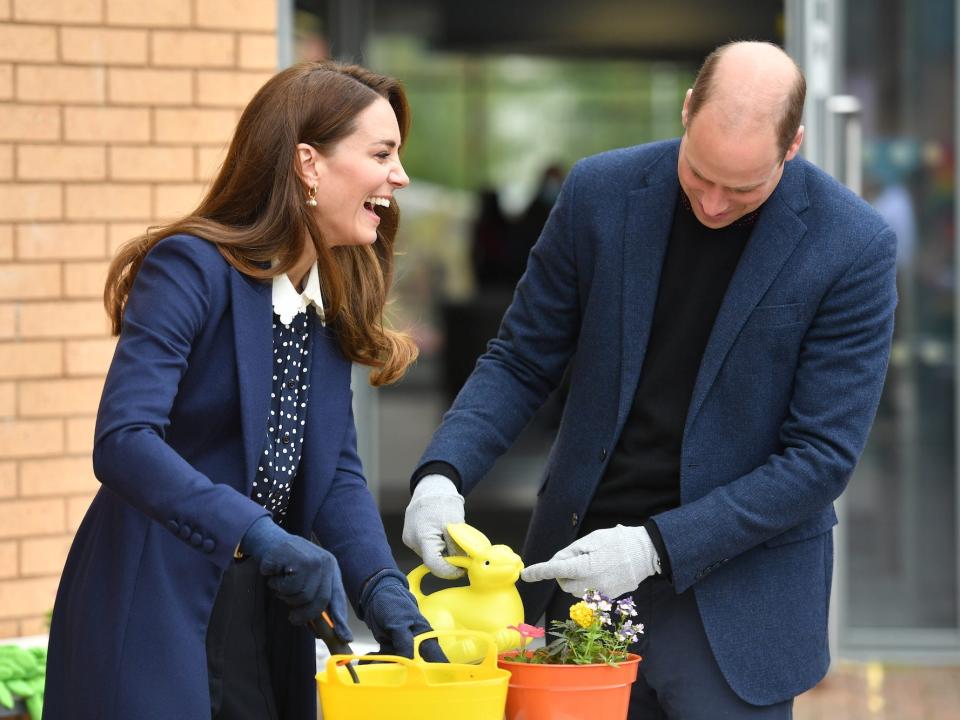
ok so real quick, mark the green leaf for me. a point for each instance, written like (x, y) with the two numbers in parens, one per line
(21, 688)
(34, 705)
(6, 698)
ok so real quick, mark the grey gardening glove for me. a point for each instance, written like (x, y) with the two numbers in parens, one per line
(434, 505)
(613, 561)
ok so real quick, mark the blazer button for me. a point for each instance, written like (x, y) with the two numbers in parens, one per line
(574, 519)
(185, 532)
(209, 545)
(173, 526)
(603, 454)
(196, 539)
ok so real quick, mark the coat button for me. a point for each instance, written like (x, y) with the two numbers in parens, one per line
(603, 454)
(574, 519)
(173, 526)
(185, 532)
(209, 545)
(196, 539)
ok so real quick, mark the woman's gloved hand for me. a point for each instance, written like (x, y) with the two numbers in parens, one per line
(301, 573)
(391, 613)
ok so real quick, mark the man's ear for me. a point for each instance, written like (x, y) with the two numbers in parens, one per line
(685, 113)
(309, 164)
(795, 145)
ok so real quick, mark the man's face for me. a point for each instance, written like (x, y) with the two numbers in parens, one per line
(728, 174)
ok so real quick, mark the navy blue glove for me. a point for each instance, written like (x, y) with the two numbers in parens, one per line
(301, 573)
(391, 613)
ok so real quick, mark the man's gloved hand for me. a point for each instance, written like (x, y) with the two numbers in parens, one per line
(301, 573)
(391, 613)
(434, 505)
(613, 561)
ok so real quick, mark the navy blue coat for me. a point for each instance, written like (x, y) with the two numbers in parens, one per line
(182, 420)
(786, 392)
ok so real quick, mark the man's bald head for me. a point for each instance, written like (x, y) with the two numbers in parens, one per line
(751, 85)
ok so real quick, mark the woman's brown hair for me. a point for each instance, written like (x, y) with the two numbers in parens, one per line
(255, 210)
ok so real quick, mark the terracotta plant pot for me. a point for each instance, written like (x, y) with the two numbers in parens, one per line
(569, 692)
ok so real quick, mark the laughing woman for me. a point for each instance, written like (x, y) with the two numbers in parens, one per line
(225, 438)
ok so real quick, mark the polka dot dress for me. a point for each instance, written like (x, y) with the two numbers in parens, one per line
(288, 416)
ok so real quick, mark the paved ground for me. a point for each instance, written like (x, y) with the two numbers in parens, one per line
(871, 691)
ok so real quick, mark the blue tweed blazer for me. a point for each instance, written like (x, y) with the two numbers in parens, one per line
(787, 389)
(182, 420)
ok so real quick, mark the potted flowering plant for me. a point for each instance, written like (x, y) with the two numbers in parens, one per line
(585, 672)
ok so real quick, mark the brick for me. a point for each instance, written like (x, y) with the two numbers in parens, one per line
(8, 559)
(24, 596)
(209, 161)
(6, 82)
(80, 435)
(76, 509)
(174, 201)
(60, 12)
(107, 201)
(85, 280)
(258, 52)
(57, 477)
(29, 122)
(232, 89)
(74, 319)
(8, 479)
(22, 518)
(30, 438)
(20, 281)
(61, 162)
(6, 242)
(44, 556)
(28, 43)
(89, 357)
(30, 201)
(237, 14)
(6, 162)
(8, 320)
(58, 398)
(151, 163)
(103, 124)
(168, 13)
(192, 49)
(37, 625)
(103, 46)
(8, 399)
(150, 87)
(193, 126)
(30, 360)
(61, 241)
(59, 83)
(121, 233)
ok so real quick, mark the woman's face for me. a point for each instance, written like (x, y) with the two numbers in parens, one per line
(361, 172)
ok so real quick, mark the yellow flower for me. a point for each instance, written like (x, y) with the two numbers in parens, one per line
(582, 615)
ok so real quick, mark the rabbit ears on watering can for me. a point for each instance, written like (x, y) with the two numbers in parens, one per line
(470, 540)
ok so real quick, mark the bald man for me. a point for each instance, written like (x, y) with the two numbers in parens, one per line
(726, 311)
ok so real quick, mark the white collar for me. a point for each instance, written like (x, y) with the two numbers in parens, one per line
(287, 302)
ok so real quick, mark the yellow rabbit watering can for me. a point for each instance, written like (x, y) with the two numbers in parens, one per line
(490, 603)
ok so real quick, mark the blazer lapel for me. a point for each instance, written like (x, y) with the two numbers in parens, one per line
(646, 232)
(774, 238)
(253, 341)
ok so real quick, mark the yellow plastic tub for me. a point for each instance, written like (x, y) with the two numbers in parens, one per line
(402, 689)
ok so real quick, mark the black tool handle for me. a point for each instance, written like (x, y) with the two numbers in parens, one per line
(323, 628)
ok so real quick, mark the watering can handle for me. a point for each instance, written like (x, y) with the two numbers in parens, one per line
(489, 658)
(415, 674)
